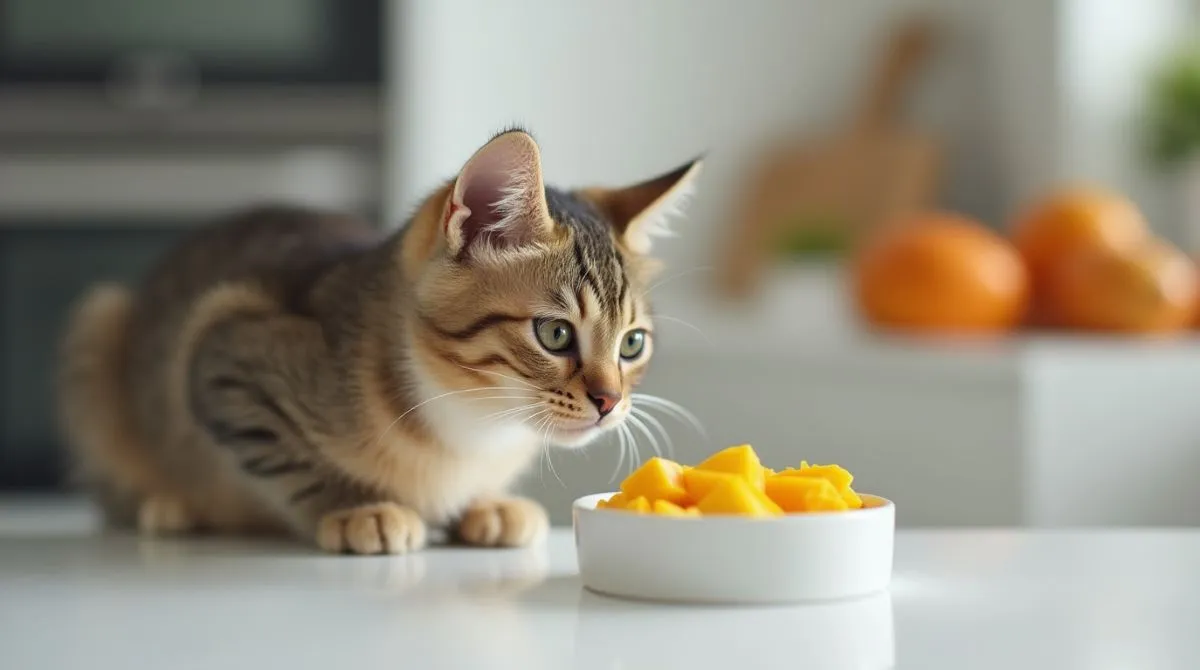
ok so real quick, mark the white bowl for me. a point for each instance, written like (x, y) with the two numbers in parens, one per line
(730, 559)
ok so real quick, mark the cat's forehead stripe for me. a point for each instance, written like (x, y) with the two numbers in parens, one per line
(599, 268)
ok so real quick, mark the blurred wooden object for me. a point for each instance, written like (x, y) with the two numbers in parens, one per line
(865, 173)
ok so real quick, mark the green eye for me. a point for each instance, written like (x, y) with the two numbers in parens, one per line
(555, 334)
(633, 344)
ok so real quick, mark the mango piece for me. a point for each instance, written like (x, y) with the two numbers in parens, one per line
(804, 494)
(837, 475)
(834, 474)
(666, 508)
(735, 495)
(827, 503)
(639, 505)
(616, 501)
(657, 479)
(851, 498)
(699, 483)
(740, 460)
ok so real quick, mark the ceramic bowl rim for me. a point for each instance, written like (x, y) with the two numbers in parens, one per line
(884, 507)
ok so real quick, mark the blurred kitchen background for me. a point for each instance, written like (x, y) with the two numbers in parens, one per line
(125, 122)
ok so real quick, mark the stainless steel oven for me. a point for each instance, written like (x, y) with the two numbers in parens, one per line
(124, 123)
(100, 69)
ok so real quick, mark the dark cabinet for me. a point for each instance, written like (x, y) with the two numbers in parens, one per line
(43, 271)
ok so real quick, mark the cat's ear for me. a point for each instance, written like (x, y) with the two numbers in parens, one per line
(499, 199)
(642, 212)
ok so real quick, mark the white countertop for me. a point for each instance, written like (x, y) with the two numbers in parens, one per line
(72, 598)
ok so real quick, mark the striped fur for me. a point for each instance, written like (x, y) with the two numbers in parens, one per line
(293, 370)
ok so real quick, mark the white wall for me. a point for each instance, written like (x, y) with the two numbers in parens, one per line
(617, 90)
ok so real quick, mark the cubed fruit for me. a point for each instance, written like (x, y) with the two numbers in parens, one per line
(668, 508)
(699, 483)
(736, 496)
(657, 479)
(836, 474)
(740, 460)
(639, 505)
(616, 501)
(851, 498)
(827, 503)
(804, 494)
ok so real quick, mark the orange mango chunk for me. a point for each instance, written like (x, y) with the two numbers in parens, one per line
(657, 479)
(852, 500)
(639, 505)
(804, 494)
(736, 496)
(834, 474)
(666, 508)
(699, 483)
(617, 501)
(837, 475)
(740, 460)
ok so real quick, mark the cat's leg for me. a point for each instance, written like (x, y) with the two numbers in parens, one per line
(503, 521)
(164, 514)
(261, 389)
(109, 453)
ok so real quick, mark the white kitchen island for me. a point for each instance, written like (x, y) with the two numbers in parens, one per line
(73, 598)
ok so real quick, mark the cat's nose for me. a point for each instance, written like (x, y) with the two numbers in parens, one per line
(604, 400)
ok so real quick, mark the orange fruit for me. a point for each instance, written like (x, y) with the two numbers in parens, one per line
(1069, 220)
(1150, 288)
(939, 271)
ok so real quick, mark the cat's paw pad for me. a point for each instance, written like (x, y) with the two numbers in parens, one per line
(161, 515)
(506, 522)
(382, 528)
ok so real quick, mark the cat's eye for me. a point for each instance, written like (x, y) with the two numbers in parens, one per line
(555, 335)
(633, 344)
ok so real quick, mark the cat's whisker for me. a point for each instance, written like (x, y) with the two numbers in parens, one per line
(641, 426)
(635, 453)
(675, 319)
(500, 374)
(679, 412)
(542, 451)
(655, 423)
(501, 397)
(549, 425)
(410, 410)
(677, 275)
(637, 450)
(620, 455)
(535, 416)
(512, 411)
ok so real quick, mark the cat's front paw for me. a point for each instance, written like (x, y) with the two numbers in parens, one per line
(381, 528)
(503, 522)
(164, 515)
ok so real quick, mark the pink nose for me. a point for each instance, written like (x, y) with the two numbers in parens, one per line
(604, 400)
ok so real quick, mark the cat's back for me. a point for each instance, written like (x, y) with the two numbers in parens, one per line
(274, 251)
(280, 248)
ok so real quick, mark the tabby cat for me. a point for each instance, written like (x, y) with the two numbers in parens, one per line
(295, 370)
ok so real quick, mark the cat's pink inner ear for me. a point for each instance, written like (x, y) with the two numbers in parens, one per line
(499, 197)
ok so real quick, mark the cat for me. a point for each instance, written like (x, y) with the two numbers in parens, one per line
(297, 371)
